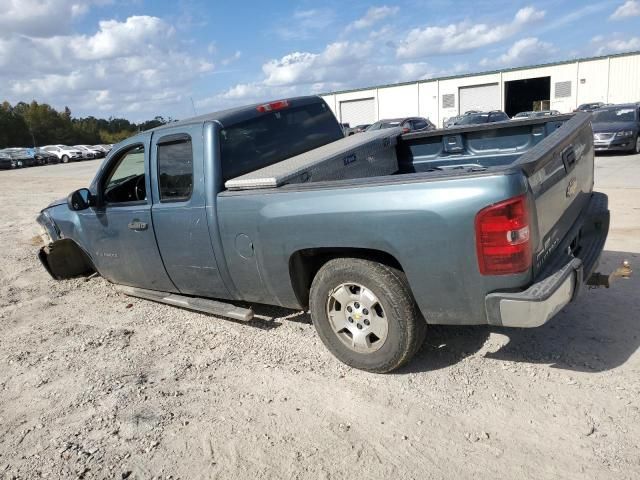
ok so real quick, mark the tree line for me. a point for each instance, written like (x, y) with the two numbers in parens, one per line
(35, 124)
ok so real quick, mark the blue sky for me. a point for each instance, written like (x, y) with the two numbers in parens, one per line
(142, 58)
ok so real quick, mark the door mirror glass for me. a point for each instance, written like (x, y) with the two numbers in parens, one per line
(80, 199)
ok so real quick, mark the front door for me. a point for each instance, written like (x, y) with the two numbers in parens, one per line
(120, 228)
(180, 212)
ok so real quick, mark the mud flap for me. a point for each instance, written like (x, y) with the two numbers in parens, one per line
(64, 259)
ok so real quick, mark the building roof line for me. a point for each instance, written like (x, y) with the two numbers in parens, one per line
(488, 72)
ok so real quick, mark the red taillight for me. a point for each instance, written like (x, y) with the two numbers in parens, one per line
(503, 237)
(270, 107)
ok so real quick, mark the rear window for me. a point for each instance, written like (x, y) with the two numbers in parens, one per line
(276, 136)
(473, 118)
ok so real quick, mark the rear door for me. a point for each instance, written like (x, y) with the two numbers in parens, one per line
(179, 211)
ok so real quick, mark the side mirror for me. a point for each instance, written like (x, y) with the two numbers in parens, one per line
(80, 199)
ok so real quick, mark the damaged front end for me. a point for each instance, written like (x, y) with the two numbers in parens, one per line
(61, 257)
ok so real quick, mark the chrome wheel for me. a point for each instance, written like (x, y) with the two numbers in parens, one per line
(357, 317)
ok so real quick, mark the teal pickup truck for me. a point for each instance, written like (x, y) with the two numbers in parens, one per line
(378, 234)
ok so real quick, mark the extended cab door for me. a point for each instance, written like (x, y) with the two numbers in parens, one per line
(118, 229)
(179, 211)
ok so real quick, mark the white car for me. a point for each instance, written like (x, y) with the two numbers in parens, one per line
(88, 152)
(64, 153)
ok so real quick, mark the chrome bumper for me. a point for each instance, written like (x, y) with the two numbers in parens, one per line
(562, 278)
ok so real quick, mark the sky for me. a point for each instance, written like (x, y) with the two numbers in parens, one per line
(140, 58)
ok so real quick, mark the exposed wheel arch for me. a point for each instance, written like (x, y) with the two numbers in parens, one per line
(304, 264)
(65, 259)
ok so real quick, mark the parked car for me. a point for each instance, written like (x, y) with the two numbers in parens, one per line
(523, 115)
(22, 155)
(535, 114)
(483, 117)
(7, 162)
(103, 148)
(589, 107)
(489, 235)
(358, 129)
(451, 121)
(64, 153)
(44, 157)
(408, 124)
(616, 128)
(89, 152)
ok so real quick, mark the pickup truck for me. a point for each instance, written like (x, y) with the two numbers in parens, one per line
(488, 224)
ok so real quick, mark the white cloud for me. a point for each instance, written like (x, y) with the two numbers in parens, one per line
(616, 43)
(630, 8)
(40, 18)
(128, 66)
(373, 16)
(233, 58)
(463, 37)
(525, 51)
(339, 65)
(304, 23)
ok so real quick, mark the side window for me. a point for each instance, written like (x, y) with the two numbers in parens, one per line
(175, 168)
(419, 124)
(126, 182)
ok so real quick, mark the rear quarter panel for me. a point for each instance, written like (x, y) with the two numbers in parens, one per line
(426, 224)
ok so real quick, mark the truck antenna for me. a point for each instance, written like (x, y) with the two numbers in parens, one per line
(193, 105)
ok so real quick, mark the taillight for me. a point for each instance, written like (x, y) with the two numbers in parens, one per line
(270, 107)
(503, 240)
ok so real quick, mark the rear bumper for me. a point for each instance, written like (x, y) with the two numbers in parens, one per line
(562, 279)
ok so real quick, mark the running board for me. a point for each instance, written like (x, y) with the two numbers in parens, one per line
(191, 303)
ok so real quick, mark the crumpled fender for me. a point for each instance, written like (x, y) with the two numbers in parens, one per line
(65, 259)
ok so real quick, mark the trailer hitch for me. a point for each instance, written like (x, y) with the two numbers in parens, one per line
(601, 280)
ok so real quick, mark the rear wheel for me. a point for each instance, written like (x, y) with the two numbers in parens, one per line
(65, 159)
(365, 314)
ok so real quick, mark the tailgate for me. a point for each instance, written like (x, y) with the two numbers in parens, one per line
(560, 174)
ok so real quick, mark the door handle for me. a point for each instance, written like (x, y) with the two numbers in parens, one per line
(137, 225)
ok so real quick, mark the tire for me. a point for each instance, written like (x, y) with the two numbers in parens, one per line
(353, 279)
(637, 149)
(65, 159)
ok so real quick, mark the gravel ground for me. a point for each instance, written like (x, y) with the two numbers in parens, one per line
(97, 385)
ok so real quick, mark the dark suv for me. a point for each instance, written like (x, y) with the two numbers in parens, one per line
(616, 127)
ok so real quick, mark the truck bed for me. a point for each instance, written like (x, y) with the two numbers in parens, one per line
(376, 155)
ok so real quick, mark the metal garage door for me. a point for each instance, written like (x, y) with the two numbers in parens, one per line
(358, 112)
(480, 97)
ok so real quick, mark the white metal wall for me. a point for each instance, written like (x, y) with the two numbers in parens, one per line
(480, 97)
(400, 101)
(358, 112)
(609, 80)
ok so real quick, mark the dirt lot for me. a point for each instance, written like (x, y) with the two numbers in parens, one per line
(97, 385)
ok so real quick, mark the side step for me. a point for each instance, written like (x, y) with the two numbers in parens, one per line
(192, 303)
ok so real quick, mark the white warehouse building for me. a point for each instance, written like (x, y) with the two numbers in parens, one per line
(558, 86)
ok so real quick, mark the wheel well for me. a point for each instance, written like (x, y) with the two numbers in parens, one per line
(304, 264)
(65, 259)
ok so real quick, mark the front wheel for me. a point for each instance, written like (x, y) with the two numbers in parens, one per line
(637, 149)
(365, 314)
(65, 159)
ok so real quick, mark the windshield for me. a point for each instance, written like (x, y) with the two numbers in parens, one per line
(614, 115)
(472, 119)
